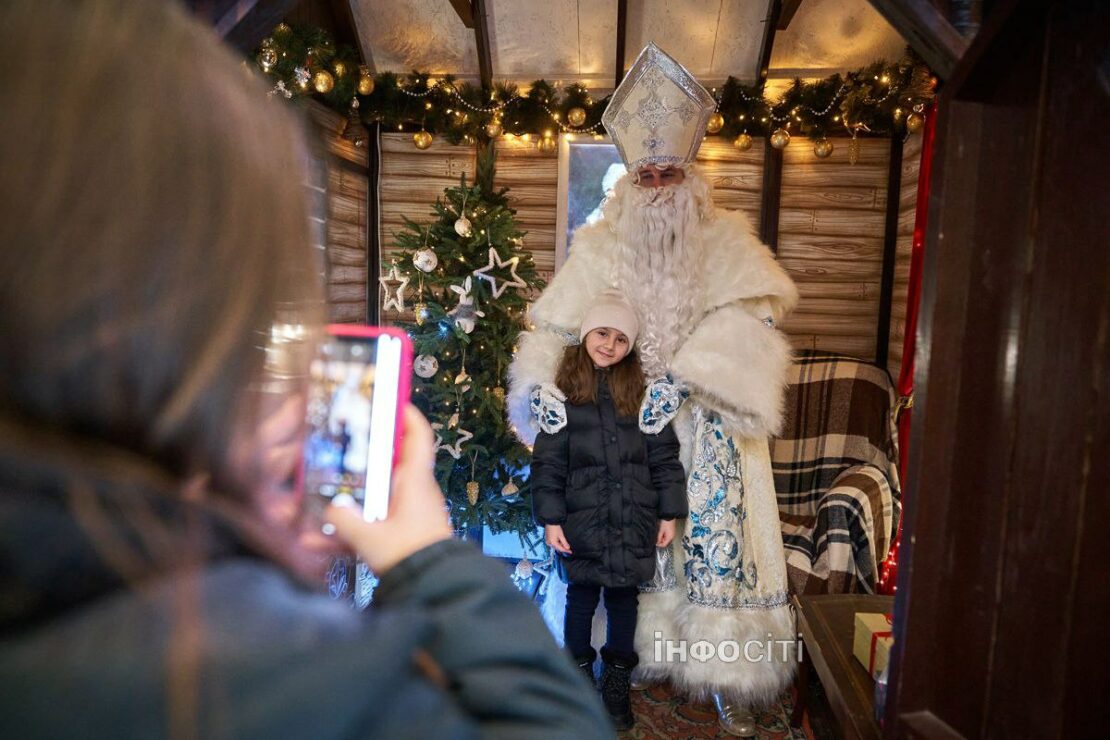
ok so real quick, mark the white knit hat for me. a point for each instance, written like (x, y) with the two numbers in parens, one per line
(610, 309)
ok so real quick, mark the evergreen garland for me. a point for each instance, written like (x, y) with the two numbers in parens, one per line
(874, 100)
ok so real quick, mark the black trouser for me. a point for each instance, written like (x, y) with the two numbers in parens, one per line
(620, 603)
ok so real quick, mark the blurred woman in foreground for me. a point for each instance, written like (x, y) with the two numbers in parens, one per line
(153, 221)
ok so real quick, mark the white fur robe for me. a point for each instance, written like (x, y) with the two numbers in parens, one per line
(735, 365)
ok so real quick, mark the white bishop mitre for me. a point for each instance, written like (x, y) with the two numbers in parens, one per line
(658, 113)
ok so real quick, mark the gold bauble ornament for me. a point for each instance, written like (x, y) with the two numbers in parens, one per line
(547, 145)
(576, 116)
(494, 129)
(743, 142)
(267, 58)
(365, 80)
(339, 67)
(715, 123)
(499, 394)
(282, 29)
(780, 137)
(422, 139)
(509, 489)
(472, 492)
(915, 122)
(323, 82)
(823, 148)
(421, 311)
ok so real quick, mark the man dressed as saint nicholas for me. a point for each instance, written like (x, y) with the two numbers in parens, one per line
(709, 295)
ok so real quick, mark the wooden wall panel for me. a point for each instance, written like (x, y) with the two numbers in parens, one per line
(831, 225)
(737, 176)
(533, 182)
(346, 234)
(412, 180)
(339, 213)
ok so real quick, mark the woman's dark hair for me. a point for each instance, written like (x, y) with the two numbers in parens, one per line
(576, 379)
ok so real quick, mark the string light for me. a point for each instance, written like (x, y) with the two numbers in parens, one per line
(569, 129)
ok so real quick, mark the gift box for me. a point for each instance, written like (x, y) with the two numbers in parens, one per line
(872, 641)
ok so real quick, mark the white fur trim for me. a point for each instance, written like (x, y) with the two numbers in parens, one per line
(584, 275)
(536, 360)
(737, 365)
(757, 683)
(739, 266)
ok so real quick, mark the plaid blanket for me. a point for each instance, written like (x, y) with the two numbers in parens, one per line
(836, 475)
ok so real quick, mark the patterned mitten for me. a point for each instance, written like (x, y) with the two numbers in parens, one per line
(549, 412)
(662, 400)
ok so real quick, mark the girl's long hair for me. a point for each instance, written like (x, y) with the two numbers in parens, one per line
(577, 378)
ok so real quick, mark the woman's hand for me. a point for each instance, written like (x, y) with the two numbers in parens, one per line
(666, 533)
(554, 537)
(417, 512)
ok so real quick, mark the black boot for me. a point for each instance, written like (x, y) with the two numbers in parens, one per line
(585, 664)
(616, 675)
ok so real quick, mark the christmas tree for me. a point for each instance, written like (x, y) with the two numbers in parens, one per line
(471, 281)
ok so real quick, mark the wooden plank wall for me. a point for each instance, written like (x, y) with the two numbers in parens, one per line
(831, 226)
(343, 211)
(907, 210)
(831, 222)
(532, 179)
(412, 179)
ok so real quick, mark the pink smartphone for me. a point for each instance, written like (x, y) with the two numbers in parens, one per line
(360, 381)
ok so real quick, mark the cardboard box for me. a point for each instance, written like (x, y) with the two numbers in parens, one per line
(872, 641)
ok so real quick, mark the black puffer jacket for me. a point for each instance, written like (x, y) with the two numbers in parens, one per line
(608, 484)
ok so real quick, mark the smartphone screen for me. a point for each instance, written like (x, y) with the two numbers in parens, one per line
(352, 422)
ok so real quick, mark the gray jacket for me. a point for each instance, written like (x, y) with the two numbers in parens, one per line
(449, 649)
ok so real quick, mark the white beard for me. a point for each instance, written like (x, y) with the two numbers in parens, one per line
(658, 264)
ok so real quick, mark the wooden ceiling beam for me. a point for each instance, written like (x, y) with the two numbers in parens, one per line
(789, 8)
(622, 37)
(247, 22)
(927, 30)
(481, 36)
(770, 26)
(464, 11)
(343, 21)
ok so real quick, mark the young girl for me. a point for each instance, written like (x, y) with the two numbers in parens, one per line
(606, 494)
